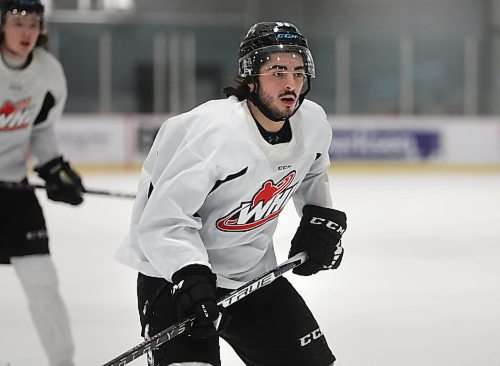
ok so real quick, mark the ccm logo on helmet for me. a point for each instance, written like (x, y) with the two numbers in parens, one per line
(329, 224)
(287, 35)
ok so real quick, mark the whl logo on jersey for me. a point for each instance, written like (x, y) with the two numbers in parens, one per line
(265, 205)
(14, 116)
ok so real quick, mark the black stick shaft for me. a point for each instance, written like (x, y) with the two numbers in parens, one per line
(30, 187)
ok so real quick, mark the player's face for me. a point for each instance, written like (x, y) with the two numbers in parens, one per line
(281, 80)
(20, 34)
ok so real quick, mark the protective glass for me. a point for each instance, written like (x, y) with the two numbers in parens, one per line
(251, 64)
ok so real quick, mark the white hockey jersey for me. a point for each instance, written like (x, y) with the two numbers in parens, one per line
(31, 99)
(212, 188)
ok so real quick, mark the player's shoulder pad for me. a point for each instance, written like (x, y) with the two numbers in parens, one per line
(219, 111)
(316, 130)
(222, 121)
(218, 116)
(312, 109)
(314, 117)
(46, 58)
(212, 129)
(48, 65)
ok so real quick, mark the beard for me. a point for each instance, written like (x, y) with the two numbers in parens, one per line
(267, 101)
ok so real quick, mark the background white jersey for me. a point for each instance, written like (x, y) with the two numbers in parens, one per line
(31, 99)
(216, 188)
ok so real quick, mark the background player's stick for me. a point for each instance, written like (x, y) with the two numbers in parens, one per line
(30, 187)
(181, 327)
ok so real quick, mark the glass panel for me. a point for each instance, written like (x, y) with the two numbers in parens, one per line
(216, 59)
(132, 71)
(491, 79)
(323, 86)
(375, 75)
(77, 48)
(439, 76)
(374, 68)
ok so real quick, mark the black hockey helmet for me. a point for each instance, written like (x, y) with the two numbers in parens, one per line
(265, 38)
(21, 7)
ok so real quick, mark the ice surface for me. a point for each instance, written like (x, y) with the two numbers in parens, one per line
(419, 285)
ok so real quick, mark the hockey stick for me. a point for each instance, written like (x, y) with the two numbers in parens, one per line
(225, 301)
(31, 187)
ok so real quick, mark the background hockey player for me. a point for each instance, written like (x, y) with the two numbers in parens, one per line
(210, 193)
(32, 97)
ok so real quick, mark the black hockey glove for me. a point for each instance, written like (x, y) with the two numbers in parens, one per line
(63, 184)
(194, 295)
(319, 235)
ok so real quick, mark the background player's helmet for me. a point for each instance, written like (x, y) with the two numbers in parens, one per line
(20, 6)
(269, 37)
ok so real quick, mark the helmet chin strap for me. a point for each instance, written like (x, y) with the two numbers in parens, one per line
(266, 112)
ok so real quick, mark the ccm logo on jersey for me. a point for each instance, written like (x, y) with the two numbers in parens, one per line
(265, 205)
(284, 167)
(329, 224)
(315, 334)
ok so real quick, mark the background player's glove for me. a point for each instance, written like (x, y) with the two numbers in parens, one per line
(319, 235)
(194, 294)
(62, 182)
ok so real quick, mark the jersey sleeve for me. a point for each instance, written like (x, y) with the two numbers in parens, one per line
(168, 228)
(43, 138)
(315, 188)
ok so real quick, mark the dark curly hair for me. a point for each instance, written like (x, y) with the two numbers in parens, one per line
(242, 88)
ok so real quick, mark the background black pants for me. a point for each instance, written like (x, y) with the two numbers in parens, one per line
(22, 225)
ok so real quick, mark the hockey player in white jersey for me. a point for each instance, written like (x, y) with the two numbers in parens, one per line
(211, 190)
(32, 97)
